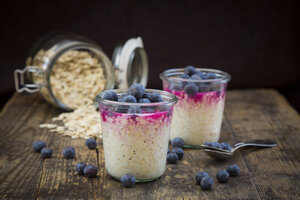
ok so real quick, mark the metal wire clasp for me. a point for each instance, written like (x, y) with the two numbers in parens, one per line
(20, 83)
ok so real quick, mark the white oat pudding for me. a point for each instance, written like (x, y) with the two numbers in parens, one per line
(136, 135)
(197, 116)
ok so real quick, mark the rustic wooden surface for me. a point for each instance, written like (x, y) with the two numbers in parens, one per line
(249, 114)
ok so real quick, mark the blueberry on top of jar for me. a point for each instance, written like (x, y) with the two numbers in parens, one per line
(129, 99)
(137, 90)
(196, 77)
(155, 97)
(110, 95)
(144, 100)
(210, 75)
(190, 70)
(184, 76)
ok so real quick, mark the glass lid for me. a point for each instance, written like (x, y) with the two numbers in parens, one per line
(131, 63)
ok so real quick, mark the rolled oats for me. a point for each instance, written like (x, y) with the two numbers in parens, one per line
(82, 122)
(76, 78)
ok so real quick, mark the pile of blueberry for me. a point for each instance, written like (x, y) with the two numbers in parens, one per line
(177, 152)
(191, 88)
(69, 153)
(40, 147)
(135, 94)
(205, 180)
(218, 145)
(84, 169)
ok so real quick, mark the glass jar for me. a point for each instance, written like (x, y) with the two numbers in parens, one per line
(53, 61)
(198, 115)
(136, 135)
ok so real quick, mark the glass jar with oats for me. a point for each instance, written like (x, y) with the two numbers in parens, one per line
(69, 70)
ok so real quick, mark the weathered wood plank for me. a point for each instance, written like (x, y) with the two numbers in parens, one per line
(249, 114)
(268, 117)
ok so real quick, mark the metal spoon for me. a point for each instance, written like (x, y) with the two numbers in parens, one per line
(222, 154)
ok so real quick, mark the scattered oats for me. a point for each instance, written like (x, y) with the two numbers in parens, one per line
(83, 122)
(43, 125)
(55, 119)
(51, 125)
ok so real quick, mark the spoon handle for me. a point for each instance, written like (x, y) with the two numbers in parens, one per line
(255, 143)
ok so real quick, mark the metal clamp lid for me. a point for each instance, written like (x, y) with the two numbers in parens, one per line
(131, 63)
(28, 87)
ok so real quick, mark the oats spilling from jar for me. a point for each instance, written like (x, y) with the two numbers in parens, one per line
(76, 77)
(81, 123)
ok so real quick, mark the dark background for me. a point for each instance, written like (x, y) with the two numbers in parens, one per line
(254, 40)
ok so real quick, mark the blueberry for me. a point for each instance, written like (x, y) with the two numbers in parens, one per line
(177, 142)
(206, 183)
(137, 90)
(90, 171)
(191, 89)
(172, 158)
(38, 145)
(46, 152)
(179, 152)
(215, 86)
(128, 180)
(176, 87)
(225, 146)
(134, 110)
(144, 100)
(196, 77)
(110, 95)
(184, 76)
(199, 73)
(129, 99)
(120, 109)
(91, 143)
(210, 75)
(146, 95)
(199, 177)
(190, 70)
(80, 167)
(216, 144)
(202, 87)
(122, 96)
(154, 97)
(208, 144)
(222, 176)
(69, 152)
(233, 170)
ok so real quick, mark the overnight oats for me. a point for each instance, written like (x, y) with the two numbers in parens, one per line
(197, 116)
(136, 127)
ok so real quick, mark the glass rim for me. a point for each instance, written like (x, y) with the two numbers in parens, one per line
(169, 74)
(74, 45)
(172, 99)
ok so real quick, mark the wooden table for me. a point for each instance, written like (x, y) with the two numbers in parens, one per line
(249, 114)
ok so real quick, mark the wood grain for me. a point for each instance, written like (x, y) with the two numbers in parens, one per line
(249, 114)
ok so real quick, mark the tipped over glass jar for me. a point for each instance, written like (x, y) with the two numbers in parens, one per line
(201, 95)
(69, 70)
